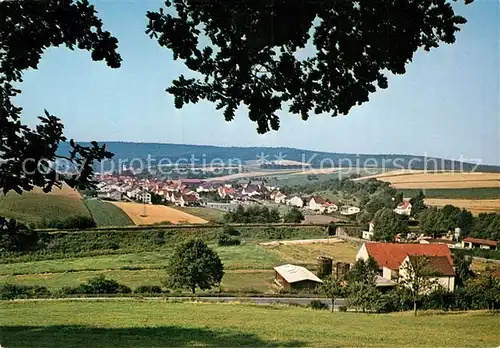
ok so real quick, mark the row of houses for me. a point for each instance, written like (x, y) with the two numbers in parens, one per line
(320, 204)
(450, 240)
(190, 191)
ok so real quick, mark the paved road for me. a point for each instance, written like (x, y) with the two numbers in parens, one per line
(256, 300)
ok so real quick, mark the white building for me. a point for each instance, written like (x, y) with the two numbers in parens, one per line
(328, 208)
(315, 203)
(279, 198)
(368, 235)
(403, 208)
(445, 275)
(391, 259)
(144, 197)
(349, 210)
(296, 201)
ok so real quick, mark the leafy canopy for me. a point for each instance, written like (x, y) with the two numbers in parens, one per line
(387, 224)
(249, 52)
(418, 277)
(194, 265)
(27, 29)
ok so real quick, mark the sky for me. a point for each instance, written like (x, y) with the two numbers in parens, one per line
(446, 105)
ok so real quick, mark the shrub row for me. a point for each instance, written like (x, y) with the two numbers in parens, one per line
(460, 299)
(72, 222)
(13, 291)
(95, 286)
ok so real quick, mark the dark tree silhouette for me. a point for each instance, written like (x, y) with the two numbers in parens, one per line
(27, 29)
(251, 55)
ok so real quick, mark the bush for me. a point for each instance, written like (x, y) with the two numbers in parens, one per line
(13, 291)
(230, 230)
(97, 285)
(227, 240)
(317, 304)
(294, 216)
(158, 238)
(15, 236)
(72, 222)
(148, 289)
(342, 309)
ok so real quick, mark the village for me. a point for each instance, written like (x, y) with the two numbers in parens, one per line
(220, 195)
(392, 258)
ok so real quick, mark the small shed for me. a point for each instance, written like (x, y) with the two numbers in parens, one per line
(291, 277)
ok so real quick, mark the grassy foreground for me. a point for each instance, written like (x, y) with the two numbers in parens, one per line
(145, 324)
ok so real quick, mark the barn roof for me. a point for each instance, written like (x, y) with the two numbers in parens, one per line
(391, 255)
(293, 274)
(481, 241)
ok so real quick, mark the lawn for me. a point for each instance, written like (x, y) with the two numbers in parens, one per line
(247, 267)
(208, 214)
(107, 214)
(235, 257)
(307, 254)
(34, 206)
(135, 323)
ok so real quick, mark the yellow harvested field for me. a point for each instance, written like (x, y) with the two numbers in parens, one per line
(476, 206)
(157, 214)
(442, 180)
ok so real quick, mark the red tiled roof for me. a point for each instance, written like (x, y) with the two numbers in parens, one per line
(439, 264)
(403, 205)
(481, 241)
(319, 200)
(189, 198)
(391, 255)
(191, 181)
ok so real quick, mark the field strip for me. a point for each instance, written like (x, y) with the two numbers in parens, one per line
(448, 185)
(252, 175)
(476, 206)
(303, 242)
(157, 214)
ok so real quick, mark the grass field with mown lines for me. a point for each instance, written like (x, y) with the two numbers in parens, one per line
(135, 323)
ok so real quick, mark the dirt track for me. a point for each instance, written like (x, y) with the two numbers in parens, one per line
(303, 242)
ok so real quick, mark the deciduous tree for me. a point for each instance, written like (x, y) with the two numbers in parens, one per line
(387, 224)
(417, 203)
(194, 265)
(27, 29)
(418, 277)
(333, 289)
(245, 52)
(293, 216)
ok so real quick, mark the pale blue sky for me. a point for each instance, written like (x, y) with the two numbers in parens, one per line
(447, 104)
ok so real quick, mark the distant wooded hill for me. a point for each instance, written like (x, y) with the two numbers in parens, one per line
(206, 154)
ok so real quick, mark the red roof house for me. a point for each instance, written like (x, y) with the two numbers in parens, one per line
(391, 255)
